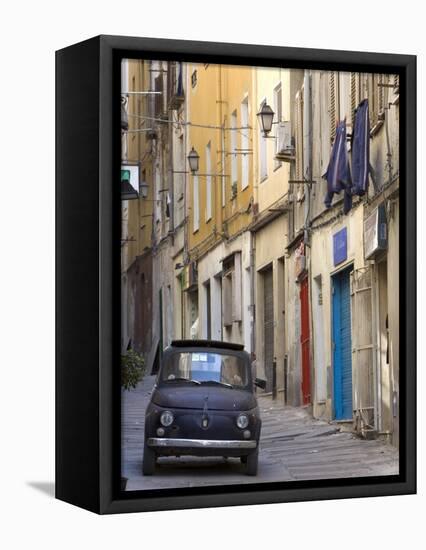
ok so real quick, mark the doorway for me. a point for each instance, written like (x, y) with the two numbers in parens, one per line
(208, 310)
(268, 325)
(305, 341)
(342, 345)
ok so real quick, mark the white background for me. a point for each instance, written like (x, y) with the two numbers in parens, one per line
(30, 32)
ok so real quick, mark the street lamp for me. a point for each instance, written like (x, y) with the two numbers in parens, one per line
(143, 189)
(194, 160)
(266, 117)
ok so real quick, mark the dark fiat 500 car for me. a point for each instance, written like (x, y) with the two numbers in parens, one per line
(203, 404)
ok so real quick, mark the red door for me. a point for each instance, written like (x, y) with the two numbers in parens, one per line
(304, 341)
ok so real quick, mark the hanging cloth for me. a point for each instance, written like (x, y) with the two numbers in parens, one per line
(168, 203)
(338, 175)
(361, 149)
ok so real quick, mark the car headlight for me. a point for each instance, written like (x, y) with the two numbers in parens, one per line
(166, 418)
(242, 421)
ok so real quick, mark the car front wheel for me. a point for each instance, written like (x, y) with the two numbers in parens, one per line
(252, 462)
(148, 461)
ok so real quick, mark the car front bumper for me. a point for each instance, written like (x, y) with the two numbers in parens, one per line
(175, 443)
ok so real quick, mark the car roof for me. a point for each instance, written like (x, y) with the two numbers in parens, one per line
(218, 344)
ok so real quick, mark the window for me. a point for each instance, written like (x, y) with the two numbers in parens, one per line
(124, 76)
(179, 181)
(263, 165)
(396, 84)
(345, 98)
(208, 182)
(124, 90)
(278, 116)
(355, 93)
(196, 204)
(244, 145)
(227, 299)
(158, 202)
(234, 157)
(376, 98)
(208, 311)
(159, 96)
(231, 290)
(205, 367)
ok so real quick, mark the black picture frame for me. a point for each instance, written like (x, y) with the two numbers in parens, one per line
(88, 279)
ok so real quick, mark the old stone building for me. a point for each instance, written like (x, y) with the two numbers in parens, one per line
(284, 239)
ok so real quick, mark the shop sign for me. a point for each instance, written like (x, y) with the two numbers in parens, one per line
(129, 182)
(340, 246)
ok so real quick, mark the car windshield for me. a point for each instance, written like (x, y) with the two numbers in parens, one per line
(205, 367)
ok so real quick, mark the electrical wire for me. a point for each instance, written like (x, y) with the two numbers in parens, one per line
(188, 123)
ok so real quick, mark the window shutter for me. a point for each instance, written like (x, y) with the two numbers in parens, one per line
(376, 96)
(333, 104)
(396, 84)
(244, 144)
(158, 98)
(196, 204)
(380, 94)
(355, 94)
(236, 288)
(363, 86)
(234, 158)
(227, 299)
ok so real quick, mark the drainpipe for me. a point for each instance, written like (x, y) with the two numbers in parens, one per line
(222, 204)
(252, 234)
(377, 355)
(252, 294)
(307, 150)
(185, 258)
(388, 144)
(307, 174)
(170, 160)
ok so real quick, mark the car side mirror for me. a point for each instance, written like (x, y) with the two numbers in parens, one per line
(260, 383)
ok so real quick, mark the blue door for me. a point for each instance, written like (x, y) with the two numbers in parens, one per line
(342, 346)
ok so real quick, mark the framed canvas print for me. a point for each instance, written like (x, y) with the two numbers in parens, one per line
(236, 276)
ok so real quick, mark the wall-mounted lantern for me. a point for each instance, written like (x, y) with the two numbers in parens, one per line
(143, 189)
(266, 118)
(194, 160)
(124, 116)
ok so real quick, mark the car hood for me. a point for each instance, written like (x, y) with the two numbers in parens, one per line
(196, 397)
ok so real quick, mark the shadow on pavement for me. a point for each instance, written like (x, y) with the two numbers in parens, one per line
(46, 487)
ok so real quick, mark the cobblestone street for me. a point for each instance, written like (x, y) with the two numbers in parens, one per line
(293, 447)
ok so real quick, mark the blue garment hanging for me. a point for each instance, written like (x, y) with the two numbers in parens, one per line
(361, 149)
(338, 175)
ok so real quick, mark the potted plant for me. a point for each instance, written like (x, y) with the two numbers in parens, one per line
(132, 371)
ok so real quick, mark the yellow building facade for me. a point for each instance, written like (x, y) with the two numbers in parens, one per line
(270, 227)
(136, 264)
(220, 110)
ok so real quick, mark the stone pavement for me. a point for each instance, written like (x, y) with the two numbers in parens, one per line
(293, 446)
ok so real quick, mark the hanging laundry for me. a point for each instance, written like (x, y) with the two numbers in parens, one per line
(338, 175)
(179, 91)
(361, 149)
(168, 204)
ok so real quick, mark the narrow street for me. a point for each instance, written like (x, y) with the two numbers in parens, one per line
(293, 447)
